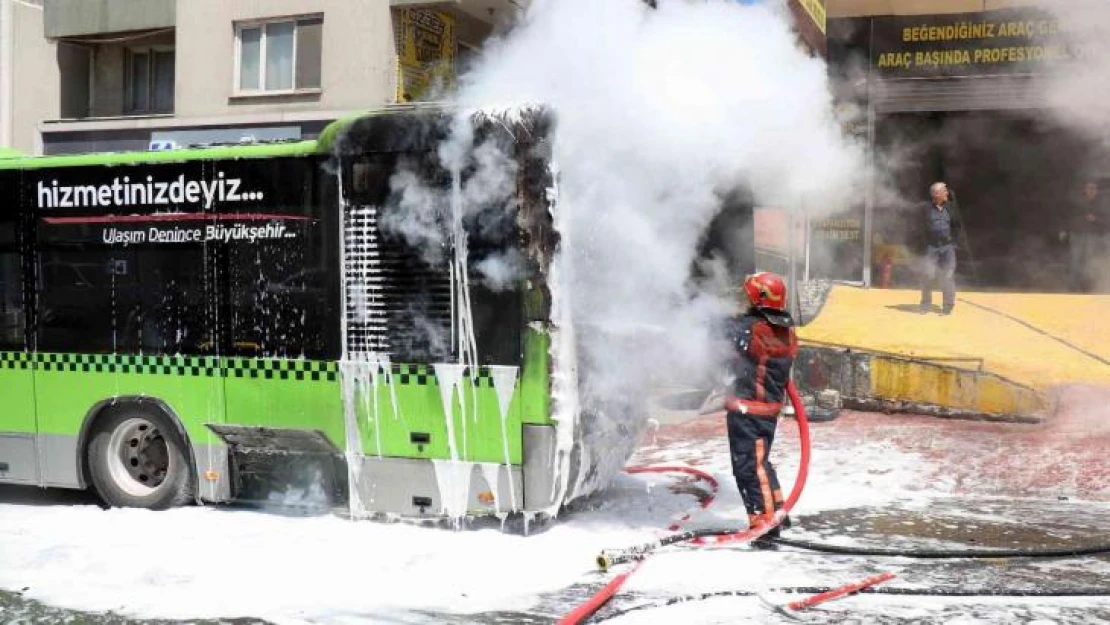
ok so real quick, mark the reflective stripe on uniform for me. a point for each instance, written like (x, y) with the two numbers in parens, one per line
(754, 408)
(764, 482)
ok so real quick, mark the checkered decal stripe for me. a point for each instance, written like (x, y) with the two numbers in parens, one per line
(268, 369)
(15, 360)
(206, 366)
(423, 375)
(187, 366)
(120, 363)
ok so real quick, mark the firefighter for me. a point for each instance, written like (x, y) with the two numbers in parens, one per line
(765, 347)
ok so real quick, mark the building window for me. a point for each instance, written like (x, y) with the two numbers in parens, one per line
(149, 80)
(279, 55)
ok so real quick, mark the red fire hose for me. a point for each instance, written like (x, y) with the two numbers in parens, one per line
(837, 593)
(795, 494)
(584, 611)
(641, 552)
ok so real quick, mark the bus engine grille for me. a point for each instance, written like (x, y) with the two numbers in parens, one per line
(397, 304)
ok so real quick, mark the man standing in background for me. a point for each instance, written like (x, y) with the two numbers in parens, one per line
(940, 226)
(1086, 229)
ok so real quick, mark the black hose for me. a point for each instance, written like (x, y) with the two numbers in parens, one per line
(872, 590)
(919, 554)
(943, 554)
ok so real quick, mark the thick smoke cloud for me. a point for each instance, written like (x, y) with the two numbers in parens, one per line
(419, 210)
(660, 112)
(1079, 93)
(1078, 96)
(659, 115)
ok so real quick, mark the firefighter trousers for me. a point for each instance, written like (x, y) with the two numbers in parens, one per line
(749, 440)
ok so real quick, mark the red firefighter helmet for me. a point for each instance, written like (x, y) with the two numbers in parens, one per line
(767, 292)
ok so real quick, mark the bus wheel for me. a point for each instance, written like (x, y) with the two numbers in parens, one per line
(138, 460)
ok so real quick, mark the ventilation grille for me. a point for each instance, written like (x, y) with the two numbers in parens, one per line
(958, 94)
(396, 303)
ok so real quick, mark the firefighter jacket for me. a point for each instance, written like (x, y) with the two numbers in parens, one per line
(765, 353)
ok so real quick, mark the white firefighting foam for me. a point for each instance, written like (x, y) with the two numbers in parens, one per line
(659, 114)
(504, 384)
(327, 570)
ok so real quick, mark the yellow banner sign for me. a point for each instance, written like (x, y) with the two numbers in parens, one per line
(1023, 40)
(816, 10)
(426, 50)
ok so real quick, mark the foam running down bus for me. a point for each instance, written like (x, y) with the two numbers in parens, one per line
(239, 323)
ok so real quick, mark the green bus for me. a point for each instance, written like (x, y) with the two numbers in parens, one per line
(262, 323)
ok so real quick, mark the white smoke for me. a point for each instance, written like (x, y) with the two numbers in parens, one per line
(501, 271)
(658, 113)
(419, 210)
(1078, 92)
(1078, 95)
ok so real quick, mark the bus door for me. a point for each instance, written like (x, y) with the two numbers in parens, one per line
(18, 430)
(280, 322)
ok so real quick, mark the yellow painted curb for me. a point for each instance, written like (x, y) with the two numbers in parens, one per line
(919, 382)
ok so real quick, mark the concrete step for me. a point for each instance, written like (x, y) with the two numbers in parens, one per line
(998, 356)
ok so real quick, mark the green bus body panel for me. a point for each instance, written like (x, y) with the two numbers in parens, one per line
(284, 394)
(535, 386)
(477, 427)
(68, 386)
(287, 394)
(268, 150)
(17, 388)
(294, 394)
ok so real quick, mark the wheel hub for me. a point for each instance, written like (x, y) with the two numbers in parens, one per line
(138, 456)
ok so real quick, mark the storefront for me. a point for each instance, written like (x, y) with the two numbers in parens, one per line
(968, 99)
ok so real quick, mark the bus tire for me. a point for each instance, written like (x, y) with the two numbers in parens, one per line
(137, 459)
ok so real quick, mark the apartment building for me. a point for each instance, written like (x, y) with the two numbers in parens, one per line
(97, 75)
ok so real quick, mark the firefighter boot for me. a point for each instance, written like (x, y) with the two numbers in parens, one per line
(767, 541)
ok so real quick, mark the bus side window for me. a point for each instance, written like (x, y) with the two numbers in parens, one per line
(74, 307)
(150, 299)
(278, 301)
(12, 317)
(280, 287)
(171, 312)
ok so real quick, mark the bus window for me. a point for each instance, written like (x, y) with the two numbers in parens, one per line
(174, 312)
(281, 290)
(75, 303)
(278, 306)
(142, 299)
(11, 291)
